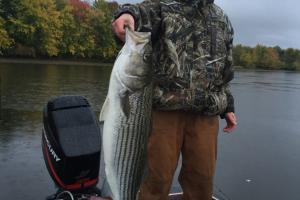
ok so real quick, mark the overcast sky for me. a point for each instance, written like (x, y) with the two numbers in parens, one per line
(267, 22)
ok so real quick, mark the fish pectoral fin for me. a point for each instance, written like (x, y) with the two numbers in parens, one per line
(104, 110)
(125, 105)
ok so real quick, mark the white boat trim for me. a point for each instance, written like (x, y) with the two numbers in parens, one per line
(180, 193)
(215, 198)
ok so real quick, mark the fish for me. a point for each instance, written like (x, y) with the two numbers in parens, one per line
(126, 113)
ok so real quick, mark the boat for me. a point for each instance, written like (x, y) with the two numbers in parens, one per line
(81, 164)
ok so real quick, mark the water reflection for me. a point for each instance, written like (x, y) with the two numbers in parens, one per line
(29, 87)
(264, 148)
(269, 80)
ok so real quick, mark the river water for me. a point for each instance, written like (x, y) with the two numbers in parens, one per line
(259, 161)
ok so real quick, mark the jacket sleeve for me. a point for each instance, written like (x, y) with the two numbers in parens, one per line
(230, 102)
(228, 73)
(146, 15)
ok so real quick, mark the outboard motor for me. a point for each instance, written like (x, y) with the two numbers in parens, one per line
(71, 146)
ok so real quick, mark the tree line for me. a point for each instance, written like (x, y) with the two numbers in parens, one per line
(266, 57)
(76, 29)
(56, 28)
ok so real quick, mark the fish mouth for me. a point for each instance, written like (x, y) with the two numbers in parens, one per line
(139, 37)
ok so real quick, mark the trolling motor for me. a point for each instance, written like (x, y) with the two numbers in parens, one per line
(71, 145)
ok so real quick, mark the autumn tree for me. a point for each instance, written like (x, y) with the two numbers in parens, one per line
(17, 27)
(105, 43)
(48, 27)
(5, 41)
(266, 57)
(290, 58)
(271, 59)
(78, 38)
(74, 28)
(237, 50)
(33, 24)
(243, 56)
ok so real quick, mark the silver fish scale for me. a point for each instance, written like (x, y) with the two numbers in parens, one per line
(126, 113)
(130, 157)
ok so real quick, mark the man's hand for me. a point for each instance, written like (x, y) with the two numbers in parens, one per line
(119, 25)
(231, 122)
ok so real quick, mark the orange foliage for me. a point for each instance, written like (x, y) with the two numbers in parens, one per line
(80, 9)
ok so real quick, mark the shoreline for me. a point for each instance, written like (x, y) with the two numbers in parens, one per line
(54, 61)
(88, 62)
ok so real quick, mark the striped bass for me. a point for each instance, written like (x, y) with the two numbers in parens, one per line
(126, 113)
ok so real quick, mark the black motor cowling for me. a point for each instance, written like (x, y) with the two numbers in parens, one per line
(71, 143)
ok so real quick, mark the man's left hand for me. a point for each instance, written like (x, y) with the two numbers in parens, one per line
(231, 122)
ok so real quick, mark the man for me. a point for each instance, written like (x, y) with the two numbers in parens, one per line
(192, 61)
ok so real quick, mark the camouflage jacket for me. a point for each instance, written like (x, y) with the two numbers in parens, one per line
(192, 53)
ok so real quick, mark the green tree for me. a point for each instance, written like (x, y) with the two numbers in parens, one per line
(60, 4)
(243, 56)
(290, 58)
(296, 64)
(5, 41)
(34, 24)
(259, 55)
(66, 28)
(48, 26)
(101, 22)
(280, 52)
(78, 39)
(271, 59)
(247, 58)
(237, 50)
(16, 25)
(263, 57)
(68, 45)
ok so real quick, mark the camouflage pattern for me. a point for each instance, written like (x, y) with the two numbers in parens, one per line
(192, 54)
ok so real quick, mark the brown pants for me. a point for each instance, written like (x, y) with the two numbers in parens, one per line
(193, 135)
